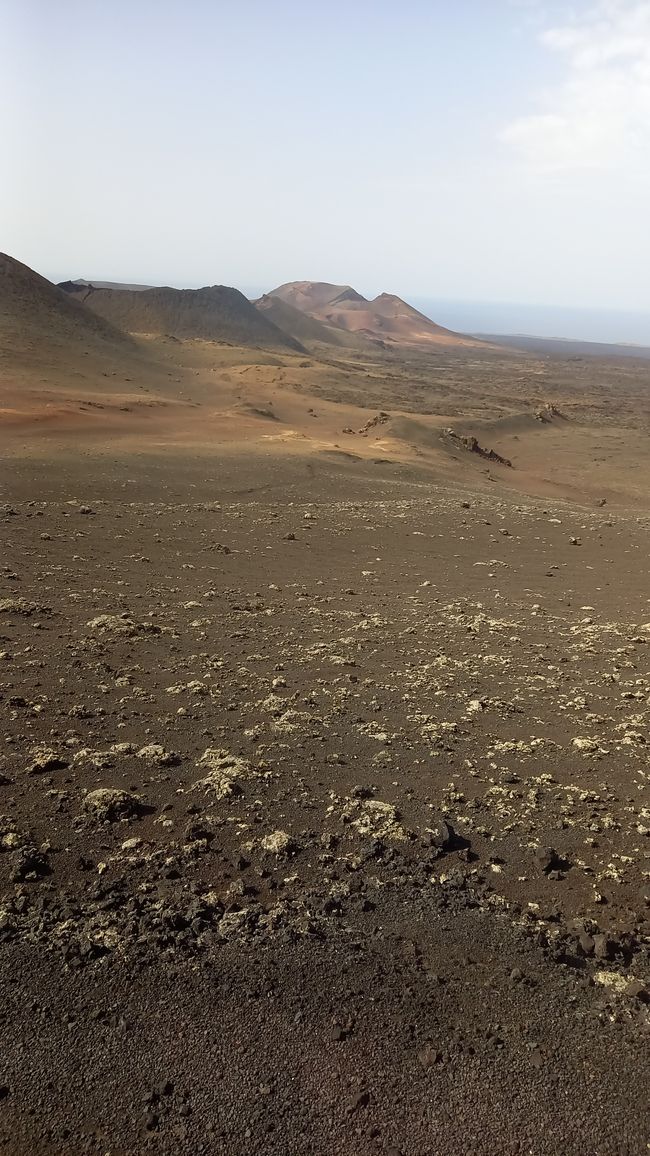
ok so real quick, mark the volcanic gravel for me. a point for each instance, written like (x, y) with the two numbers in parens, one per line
(323, 824)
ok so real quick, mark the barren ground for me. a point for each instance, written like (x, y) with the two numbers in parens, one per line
(324, 788)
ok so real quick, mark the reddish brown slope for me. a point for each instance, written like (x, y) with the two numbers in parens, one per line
(387, 318)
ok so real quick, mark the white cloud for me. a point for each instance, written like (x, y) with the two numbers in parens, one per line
(598, 118)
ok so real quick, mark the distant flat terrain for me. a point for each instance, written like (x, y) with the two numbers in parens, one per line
(561, 347)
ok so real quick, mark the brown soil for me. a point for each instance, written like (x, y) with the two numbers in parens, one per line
(323, 796)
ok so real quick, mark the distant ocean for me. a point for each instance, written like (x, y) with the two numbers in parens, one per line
(482, 317)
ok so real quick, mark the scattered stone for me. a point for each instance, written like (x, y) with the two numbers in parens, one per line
(156, 753)
(613, 980)
(121, 624)
(225, 771)
(361, 1100)
(201, 829)
(636, 989)
(111, 804)
(131, 844)
(547, 859)
(22, 606)
(428, 1056)
(362, 792)
(11, 839)
(30, 863)
(586, 943)
(471, 444)
(588, 746)
(442, 835)
(112, 624)
(195, 686)
(604, 947)
(44, 759)
(279, 843)
(375, 819)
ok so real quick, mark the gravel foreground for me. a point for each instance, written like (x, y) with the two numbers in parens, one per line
(323, 825)
(416, 1028)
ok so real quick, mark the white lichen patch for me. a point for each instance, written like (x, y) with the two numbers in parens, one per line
(292, 720)
(616, 983)
(587, 746)
(225, 770)
(375, 819)
(278, 843)
(156, 753)
(194, 687)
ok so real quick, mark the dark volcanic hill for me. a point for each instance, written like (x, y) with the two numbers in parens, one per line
(387, 318)
(53, 349)
(34, 313)
(214, 313)
(51, 346)
(81, 283)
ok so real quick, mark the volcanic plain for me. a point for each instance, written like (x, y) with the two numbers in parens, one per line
(325, 697)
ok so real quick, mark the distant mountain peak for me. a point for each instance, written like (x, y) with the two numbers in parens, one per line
(387, 319)
(309, 295)
(348, 294)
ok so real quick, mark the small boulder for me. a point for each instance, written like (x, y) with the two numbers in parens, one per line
(442, 834)
(44, 759)
(604, 946)
(155, 753)
(547, 859)
(110, 804)
(636, 989)
(30, 864)
(279, 843)
(428, 1056)
(586, 943)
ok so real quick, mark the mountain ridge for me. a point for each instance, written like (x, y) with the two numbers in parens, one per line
(386, 318)
(211, 313)
(53, 315)
(307, 329)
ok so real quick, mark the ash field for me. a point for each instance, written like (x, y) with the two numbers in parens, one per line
(325, 692)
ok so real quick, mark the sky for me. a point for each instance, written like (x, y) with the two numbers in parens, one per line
(467, 150)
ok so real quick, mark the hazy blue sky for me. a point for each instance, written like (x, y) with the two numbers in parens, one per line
(479, 149)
